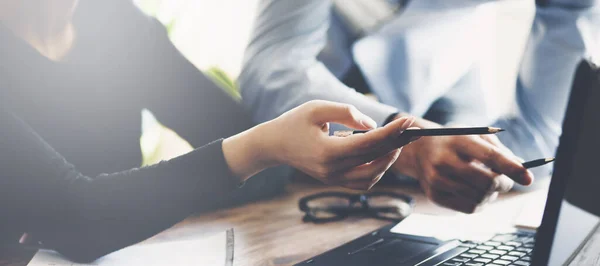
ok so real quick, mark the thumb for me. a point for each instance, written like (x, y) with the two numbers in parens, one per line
(345, 114)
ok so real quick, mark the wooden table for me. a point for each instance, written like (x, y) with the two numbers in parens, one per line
(271, 232)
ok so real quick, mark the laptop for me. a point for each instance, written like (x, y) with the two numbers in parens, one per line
(571, 215)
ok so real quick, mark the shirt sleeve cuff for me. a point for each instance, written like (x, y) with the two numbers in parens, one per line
(390, 118)
(209, 165)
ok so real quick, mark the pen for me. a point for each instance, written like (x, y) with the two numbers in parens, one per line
(435, 131)
(539, 162)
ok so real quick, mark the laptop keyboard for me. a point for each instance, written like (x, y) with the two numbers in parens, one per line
(502, 250)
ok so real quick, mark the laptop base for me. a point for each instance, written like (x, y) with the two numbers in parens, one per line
(382, 247)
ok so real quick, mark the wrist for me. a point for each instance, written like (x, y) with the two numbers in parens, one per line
(265, 144)
(247, 153)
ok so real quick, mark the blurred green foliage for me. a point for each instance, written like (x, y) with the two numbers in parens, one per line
(216, 74)
(157, 141)
(224, 81)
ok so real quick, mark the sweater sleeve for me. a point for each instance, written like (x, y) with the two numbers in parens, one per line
(85, 217)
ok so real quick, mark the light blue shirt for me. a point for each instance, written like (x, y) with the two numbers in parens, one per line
(299, 50)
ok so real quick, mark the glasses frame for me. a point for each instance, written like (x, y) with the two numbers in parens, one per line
(364, 209)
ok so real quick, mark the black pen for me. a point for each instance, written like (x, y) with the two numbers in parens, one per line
(418, 132)
(538, 162)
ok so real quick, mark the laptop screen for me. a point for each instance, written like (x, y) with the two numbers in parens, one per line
(572, 211)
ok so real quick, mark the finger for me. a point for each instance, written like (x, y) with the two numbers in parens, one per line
(457, 188)
(362, 158)
(494, 158)
(358, 160)
(364, 186)
(456, 203)
(371, 171)
(324, 112)
(441, 191)
(502, 184)
(484, 179)
(490, 198)
(377, 179)
(496, 142)
(383, 139)
(471, 173)
(451, 201)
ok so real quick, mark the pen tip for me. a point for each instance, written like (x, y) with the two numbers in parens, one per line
(496, 129)
(549, 160)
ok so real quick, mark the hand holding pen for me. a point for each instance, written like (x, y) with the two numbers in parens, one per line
(430, 132)
(462, 171)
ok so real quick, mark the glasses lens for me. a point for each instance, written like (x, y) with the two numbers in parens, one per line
(390, 207)
(326, 207)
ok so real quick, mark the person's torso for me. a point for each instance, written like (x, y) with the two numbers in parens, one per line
(416, 58)
(88, 106)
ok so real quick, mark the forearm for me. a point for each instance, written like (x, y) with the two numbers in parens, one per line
(84, 217)
(248, 153)
(112, 211)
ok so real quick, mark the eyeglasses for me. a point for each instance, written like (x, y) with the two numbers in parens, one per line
(335, 206)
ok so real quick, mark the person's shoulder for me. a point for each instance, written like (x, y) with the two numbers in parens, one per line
(110, 17)
(117, 28)
(106, 10)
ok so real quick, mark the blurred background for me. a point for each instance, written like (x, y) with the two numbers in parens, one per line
(504, 26)
(228, 24)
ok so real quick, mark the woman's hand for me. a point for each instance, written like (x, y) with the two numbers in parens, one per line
(300, 138)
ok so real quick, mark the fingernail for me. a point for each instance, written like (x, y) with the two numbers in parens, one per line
(372, 185)
(368, 122)
(407, 123)
(374, 182)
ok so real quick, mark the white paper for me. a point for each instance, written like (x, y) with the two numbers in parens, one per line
(530, 216)
(462, 227)
(205, 251)
(520, 211)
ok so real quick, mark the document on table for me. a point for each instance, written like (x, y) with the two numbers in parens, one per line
(460, 226)
(213, 250)
(532, 211)
(482, 225)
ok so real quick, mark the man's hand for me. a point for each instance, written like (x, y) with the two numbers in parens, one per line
(461, 172)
